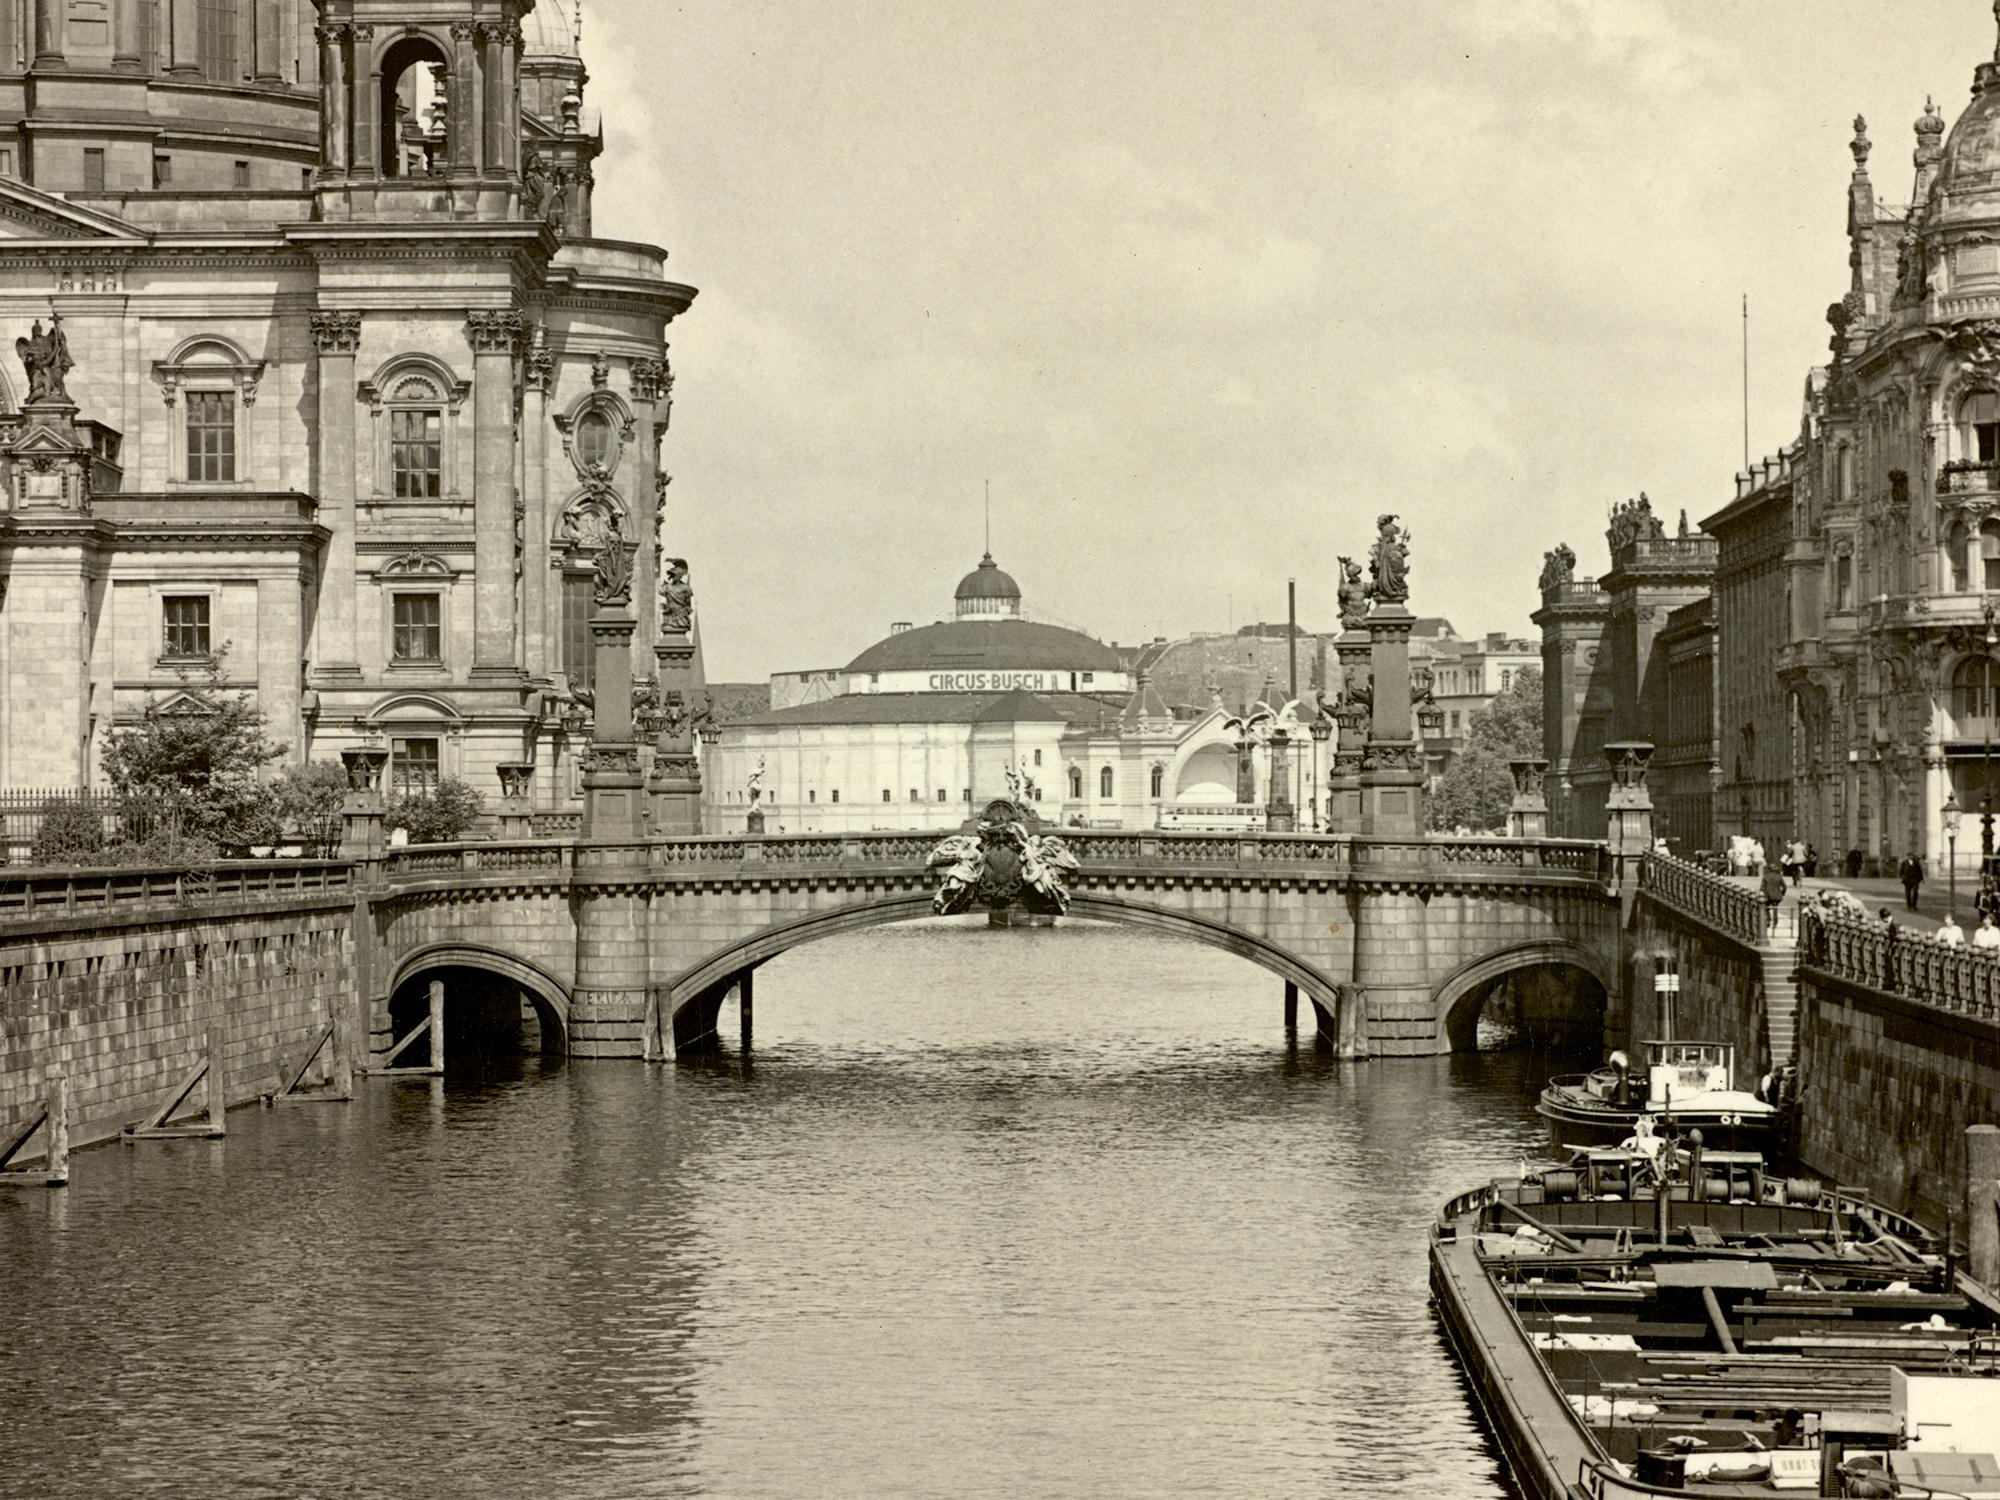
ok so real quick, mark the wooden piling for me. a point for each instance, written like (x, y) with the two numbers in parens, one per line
(1982, 1204)
(437, 1025)
(745, 1005)
(649, 1039)
(218, 1065)
(57, 1170)
(1291, 1006)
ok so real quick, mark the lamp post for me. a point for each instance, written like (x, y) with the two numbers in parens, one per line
(1951, 847)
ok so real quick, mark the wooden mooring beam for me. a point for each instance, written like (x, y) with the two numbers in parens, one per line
(54, 1114)
(159, 1126)
(431, 1026)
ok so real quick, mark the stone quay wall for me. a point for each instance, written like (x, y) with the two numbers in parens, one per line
(1721, 996)
(1899, 1051)
(110, 976)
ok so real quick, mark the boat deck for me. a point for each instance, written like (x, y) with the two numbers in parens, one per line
(1759, 1339)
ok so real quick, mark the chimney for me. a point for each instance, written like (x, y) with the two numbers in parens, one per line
(898, 627)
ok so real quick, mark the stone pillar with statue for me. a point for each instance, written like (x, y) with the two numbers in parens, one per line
(1628, 808)
(517, 781)
(361, 814)
(1390, 890)
(1392, 771)
(1353, 709)
(675, 788)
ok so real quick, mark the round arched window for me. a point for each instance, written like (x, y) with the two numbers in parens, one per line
(596, 441)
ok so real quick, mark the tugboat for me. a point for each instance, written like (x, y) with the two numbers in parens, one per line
(1685, 1085)
(1659, 1322)
(1688, 1085)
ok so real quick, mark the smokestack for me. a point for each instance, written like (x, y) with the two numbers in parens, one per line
(1292, 634)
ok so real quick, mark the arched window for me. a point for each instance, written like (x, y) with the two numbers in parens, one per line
(1843, 472)
(1104, 783)
(1989, 555)
(1972, 683)
(594, 439)
(1075, 784)
(1979, 427)
(1957, 547)
(1159, 779)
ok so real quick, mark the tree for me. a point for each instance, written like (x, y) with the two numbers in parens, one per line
(193, 762)
(439, 816)
(310, 799)
(1477, 787)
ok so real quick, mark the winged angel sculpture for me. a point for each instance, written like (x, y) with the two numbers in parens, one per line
(1002, 864)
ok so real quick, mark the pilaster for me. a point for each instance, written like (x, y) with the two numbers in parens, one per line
(494, 336)
(337, 337)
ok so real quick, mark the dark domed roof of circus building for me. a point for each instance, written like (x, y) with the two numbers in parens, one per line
(995, 645)
(987, 581)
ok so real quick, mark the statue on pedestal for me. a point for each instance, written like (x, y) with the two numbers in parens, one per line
(1390, 563)
(1353, 596)
(45, 357)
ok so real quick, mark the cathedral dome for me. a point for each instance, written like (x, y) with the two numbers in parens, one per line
(548, 32)
(1970, 165)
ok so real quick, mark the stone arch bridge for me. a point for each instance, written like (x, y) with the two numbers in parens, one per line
(629, 949)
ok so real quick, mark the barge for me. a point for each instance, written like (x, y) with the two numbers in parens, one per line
(1687, 1324)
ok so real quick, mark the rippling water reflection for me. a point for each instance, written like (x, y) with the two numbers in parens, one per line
(1021, 1213)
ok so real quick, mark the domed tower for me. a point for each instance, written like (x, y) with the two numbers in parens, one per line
(559, 151)
(987, 593)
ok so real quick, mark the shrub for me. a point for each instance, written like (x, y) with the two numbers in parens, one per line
(310, 798)
(72, 833)
(439, 816)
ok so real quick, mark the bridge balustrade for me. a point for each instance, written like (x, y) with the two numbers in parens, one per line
(1712, 899)
(44, 893)
(1915, 966)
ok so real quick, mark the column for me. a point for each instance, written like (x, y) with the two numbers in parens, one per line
(365, 159)
(492, 100)
(125, 36)
(535, 592)
(48, 34)
(675, 790)
(337, 337)
(183, 39)
(463, 122)
(268, 19)
(1936, 784)
(1279, 816)
(494, 336)
(335, 92)
(507, 84)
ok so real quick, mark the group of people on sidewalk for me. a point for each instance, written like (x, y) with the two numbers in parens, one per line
(1801, 858)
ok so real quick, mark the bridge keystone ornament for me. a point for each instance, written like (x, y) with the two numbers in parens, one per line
(1003, 864)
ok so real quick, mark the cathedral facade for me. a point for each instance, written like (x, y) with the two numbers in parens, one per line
(325, 390)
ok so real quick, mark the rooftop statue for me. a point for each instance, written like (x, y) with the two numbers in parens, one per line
(45, 356)
(1634, 521)
(1558, 567)
(1390, 563)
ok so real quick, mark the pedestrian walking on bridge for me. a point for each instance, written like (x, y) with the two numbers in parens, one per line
(1773, 887)
(1912, 872)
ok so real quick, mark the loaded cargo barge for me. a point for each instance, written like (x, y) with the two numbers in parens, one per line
(1634, 1327)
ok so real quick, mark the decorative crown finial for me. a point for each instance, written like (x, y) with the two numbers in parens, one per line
(1930, 123)
(1860, 145)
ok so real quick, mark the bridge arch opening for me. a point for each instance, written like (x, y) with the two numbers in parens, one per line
(693, 1003)
(491, 1010)
(1545, 994)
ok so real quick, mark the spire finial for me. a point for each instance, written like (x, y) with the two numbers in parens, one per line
(989, 488)
(1996, 27)
(1860, 145)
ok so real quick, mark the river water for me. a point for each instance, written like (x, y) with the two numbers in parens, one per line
(1011, 1213)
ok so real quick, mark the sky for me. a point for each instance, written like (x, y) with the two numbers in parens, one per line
(1203, 288)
